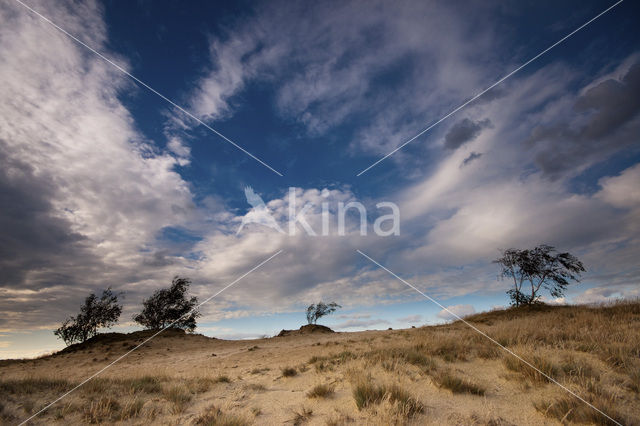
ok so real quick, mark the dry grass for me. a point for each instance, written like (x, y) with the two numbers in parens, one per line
(105, 408)
(390, 358)
(542, 365)
(33, 385)
(366, 393)
(570, 409)
(256, 387)
(594, 351)
(213, 416)
(179, 396)
(131, 408)
(321, 391)
(301, 416)
(456, 384)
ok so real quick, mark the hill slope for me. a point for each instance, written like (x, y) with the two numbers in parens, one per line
(431, 375)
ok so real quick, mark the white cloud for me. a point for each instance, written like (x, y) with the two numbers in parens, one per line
(412, 319)
(181, 150)
(326, 61)
(71, 147)
(608, 293)
(623, 190)
(459, 310)
(360, 323)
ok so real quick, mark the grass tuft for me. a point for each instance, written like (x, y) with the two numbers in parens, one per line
(366, 393)
(456, 384)
(301, 416)
(321, 391)
(213, 416)
(179, 396)
(222, 379)
(570, 409)
(530, 374)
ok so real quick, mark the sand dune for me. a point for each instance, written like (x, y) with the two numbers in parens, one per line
(429, 375)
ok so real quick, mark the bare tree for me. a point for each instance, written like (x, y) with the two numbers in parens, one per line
(94, 314)
(170, 307)
(541, 268)
(315, 312)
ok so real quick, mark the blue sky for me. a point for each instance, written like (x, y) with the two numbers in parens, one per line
(104, 183)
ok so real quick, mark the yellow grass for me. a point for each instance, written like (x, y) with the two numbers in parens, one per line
(430, 375)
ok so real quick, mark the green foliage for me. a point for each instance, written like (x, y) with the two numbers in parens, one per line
(170, 308)
(541, 267)
(315, 312)
(94, 314)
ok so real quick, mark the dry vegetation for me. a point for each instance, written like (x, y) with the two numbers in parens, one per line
(431, 375)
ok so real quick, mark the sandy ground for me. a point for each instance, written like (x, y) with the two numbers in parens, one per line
(243, 382)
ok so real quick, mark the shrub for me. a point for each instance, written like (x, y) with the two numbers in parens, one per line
(222, 379)
(289, 372)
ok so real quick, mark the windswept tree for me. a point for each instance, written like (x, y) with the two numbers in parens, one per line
(315, 312)
(95, 313)
(170, 308)
(535, 269)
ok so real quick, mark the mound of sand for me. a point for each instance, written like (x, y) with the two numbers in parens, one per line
(306, 329)
(129, 339)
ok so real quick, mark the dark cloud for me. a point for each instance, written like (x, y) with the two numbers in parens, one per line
(464, 131)
(34, 238)
(607, 121)
(473, 156)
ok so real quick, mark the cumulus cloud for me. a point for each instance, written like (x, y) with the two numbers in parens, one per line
(603, 294)
(623, 190)
(83, 193)
(459, 310)
(180, 150)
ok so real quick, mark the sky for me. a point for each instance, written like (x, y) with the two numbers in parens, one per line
(112, 181)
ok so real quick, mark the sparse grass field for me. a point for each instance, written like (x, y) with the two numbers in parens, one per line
(431, 375)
